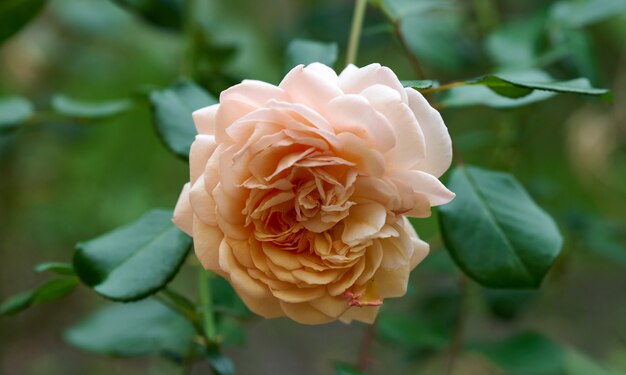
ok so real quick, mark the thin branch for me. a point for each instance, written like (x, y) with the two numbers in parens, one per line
(415, 63)
(413, 60)
(365, 356)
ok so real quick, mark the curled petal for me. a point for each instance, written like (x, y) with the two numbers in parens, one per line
(438, 153)
(427, 185)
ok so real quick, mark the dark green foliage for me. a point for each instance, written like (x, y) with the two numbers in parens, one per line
(134, 261)
(495, 232)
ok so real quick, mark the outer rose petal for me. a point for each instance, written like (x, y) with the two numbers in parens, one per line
(363, 314)
(204, 119)
(409, 140)
(392, 282)
(201, 150)
(206, 241)
(305, 313)
(354, 80)
(438, 144)
(240, 100)
(183, 214)
(309, 87)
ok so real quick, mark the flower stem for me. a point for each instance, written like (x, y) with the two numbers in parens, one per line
(206, 304)
(456, 344)
(188, 65)
(355, 31)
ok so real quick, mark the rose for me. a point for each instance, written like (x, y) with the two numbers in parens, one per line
(299, 193)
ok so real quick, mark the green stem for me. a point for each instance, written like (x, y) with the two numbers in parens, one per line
(188, 65)
(355, 31)
(206, 304)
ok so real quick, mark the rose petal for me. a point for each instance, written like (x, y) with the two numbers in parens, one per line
(297, 295)
(206, 241)
(240, 100)
(331, 306)
(304, 313)
(268, 307)
(239, 278)
(425, 184)
(354, 114)
(364, 221)
(366, 314)
(203, 203)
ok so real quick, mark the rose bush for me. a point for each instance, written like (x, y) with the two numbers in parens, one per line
(299, 193)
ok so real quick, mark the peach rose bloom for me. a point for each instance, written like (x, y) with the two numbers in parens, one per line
(299, 193)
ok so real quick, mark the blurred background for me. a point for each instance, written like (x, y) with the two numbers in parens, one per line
(65, 181)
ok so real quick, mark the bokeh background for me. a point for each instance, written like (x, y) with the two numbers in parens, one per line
(65, 181)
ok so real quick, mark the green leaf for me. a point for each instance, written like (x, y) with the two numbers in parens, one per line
(468, 96)
(220, 364)
(519, 84)
(514, 89)
(495, 232)
(55, 267)
(14, 110)
(343, 368)
(301, 51)
(418, 84)
(167, 14)
(525, 353)
(89, 110)
(15, 14)
(587, 12)
(134, 329)
(51, 290)
(172, 109)
(134, 261)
